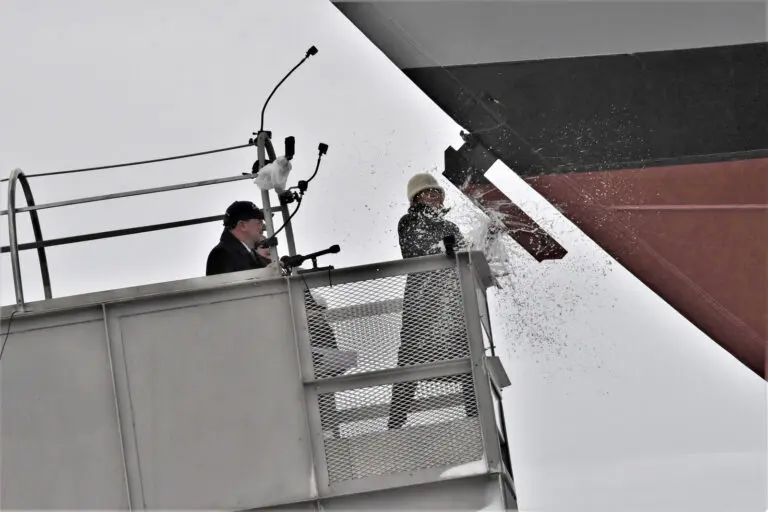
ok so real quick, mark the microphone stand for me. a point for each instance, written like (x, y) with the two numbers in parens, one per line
(262, 140)
(291, 262)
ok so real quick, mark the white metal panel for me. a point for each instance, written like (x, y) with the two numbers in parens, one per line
(218, 403)
(59, 442)
(247, 278)
(307, 506)
(474, 493)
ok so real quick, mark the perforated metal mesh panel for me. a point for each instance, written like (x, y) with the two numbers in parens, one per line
(430, 423)
(383, 323)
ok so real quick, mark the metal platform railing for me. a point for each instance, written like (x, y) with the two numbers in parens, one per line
(14, 247)
(395, 364)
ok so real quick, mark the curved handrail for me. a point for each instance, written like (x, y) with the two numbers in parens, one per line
(14, 247)
(17, 175)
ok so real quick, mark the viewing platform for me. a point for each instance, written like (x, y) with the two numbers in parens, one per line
(256, 390)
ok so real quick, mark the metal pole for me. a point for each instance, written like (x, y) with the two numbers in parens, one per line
(261, 143)
(270, 149)
(14, 243)
(112, 233)
(130, 193)
(288, 230)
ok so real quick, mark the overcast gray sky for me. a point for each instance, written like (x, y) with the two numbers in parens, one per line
(617, 402)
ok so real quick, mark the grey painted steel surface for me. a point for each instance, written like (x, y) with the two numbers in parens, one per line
(246, 278)
(118, 416)
(200, 394)
(59, 441)
(217, 403)
(208, 386)
(478, 492)
(469, 278)
(473, 493)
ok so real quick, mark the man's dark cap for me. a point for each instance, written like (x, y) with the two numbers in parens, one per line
(241, 210)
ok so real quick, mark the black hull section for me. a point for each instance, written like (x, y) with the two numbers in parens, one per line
(611, 112)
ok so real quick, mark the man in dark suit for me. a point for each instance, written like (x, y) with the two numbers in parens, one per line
(243, 228)
(237, 250)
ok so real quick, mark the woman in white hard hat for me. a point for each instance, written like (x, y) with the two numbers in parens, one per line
(422, 229)
(433, 326)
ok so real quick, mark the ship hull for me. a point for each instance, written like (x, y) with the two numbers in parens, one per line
(694, 234)
(656, 148)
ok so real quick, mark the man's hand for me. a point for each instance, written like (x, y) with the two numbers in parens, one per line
(264, 251)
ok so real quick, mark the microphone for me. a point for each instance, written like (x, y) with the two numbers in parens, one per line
(295, 261)
(290, 147)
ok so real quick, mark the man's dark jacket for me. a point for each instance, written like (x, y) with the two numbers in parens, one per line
(230, 255)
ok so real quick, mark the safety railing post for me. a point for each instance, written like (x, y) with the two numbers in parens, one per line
(17, 176)
(261, 147)
(13, 240)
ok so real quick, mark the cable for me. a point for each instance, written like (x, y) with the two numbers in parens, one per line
(142, 162)
(317, 167)
(264, 108)
(289, 218)
(323, 148)
(312, 51)
(7, 333)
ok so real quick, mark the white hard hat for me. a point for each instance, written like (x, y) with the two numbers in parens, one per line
(421, 182)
